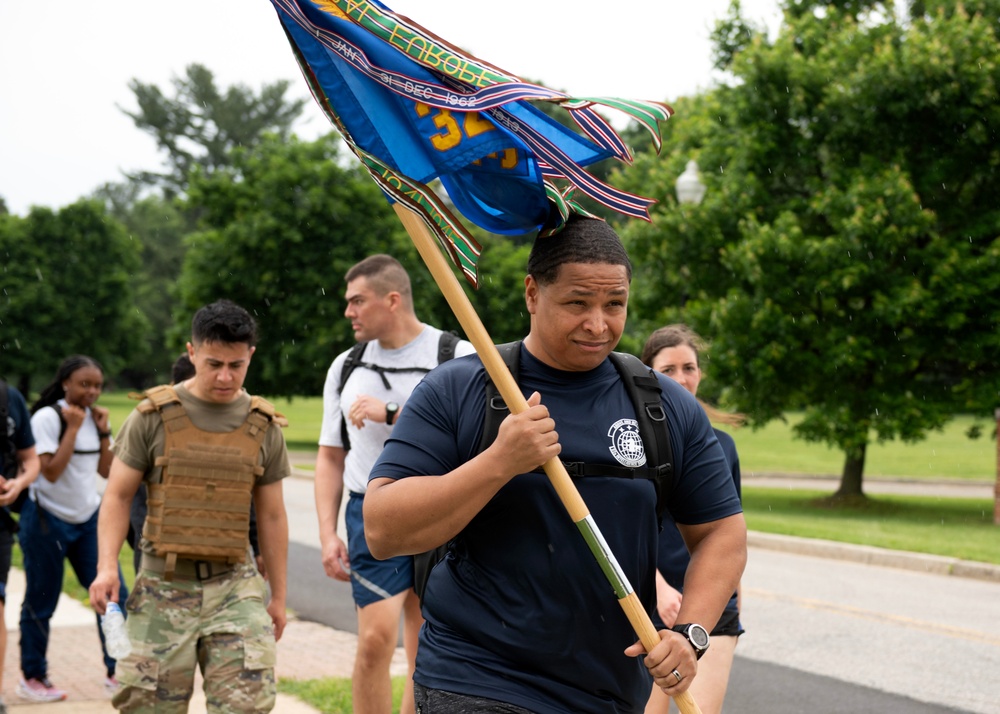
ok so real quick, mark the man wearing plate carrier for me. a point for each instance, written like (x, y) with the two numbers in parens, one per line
(204, 448)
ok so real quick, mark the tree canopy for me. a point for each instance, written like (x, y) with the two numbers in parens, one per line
(67, 289)
(200, 123)
(845, 259)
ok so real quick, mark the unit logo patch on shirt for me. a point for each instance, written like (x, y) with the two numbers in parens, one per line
(626, 443)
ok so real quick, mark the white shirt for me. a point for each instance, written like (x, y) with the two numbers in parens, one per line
(366, 443)
(73, 496)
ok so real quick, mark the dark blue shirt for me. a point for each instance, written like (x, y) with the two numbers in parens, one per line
(520, 611)
(673, 558)
(18, 424)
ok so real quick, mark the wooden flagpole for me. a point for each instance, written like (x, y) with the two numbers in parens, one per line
(554, 469)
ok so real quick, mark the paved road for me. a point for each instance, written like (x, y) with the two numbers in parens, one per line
(823, 636)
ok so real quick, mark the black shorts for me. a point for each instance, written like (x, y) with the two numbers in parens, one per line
(442, 702)
(6, 546)
(728, 625)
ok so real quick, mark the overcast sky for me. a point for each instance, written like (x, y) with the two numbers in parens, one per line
(65, 67)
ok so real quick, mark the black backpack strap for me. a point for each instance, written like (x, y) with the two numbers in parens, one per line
(496, 407)
(446, 350)
(350, 364)
(446, 346)
(645, 393)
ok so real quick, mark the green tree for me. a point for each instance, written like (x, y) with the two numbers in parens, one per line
(67, 288)
(160, 226)
(200, 123)
(280, 227)
(845, 259)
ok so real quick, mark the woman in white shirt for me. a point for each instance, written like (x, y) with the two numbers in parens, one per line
(59, 520)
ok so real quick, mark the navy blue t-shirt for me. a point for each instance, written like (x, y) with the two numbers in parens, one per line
(18, 426)
(520, 611)
(673, 558)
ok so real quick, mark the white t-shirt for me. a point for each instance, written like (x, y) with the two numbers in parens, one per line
(366, 443)
(73, 496)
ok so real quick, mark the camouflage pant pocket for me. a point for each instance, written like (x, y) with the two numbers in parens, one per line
(259, 652)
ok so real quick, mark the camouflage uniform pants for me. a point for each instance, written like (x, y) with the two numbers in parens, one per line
(219, 625)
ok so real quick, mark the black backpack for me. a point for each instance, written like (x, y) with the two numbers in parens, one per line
(643, 390)
(446, 350)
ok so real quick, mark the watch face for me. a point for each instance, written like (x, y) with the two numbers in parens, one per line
(698, 636)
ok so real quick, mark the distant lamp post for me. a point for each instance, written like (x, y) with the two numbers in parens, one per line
(690, 189)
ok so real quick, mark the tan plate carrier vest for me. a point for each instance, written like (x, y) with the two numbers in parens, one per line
(200, 510)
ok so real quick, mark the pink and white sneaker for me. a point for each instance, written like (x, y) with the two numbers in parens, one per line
(39, 690)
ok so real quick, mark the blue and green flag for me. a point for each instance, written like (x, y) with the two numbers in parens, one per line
(413, 108)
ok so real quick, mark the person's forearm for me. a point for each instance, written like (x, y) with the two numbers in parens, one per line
(328, 486)
(31, 466)
(53, 466)
(415, 514)
(272, 527)
(717, 563)
(112, 527)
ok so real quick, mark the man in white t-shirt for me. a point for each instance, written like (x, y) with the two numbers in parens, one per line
(399, 351)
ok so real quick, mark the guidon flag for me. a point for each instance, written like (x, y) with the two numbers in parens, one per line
(414, 107)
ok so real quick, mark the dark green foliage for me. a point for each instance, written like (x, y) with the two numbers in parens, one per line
(845, 259)
(67, 287)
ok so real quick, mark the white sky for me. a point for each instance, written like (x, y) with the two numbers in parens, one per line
(65, 67)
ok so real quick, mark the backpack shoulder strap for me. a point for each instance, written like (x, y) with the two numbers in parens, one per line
(446, 346)
(645, 393)
(350, 364)
(496, 408)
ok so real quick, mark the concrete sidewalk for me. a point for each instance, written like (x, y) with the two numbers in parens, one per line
(306, 651)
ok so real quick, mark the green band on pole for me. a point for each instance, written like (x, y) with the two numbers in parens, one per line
(605, 558)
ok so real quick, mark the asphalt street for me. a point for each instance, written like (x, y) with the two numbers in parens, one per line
(823, 636)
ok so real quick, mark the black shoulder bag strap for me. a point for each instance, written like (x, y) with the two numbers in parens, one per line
(446, 350)
(644, 391)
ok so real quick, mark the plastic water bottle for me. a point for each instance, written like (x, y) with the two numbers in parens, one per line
(115, 637)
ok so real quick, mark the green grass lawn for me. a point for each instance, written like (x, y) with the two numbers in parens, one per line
(953, 527)
(948, 454)
(332, 695)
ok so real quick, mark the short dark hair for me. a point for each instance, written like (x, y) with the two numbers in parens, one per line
(182, 369)
(581, 240)
(384, 274)
(223, 321)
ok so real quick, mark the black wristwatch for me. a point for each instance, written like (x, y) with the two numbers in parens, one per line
(696, 635)
(391, 410)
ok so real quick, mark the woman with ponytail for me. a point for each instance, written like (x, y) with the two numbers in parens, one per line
(59, 520)
(673, 350)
